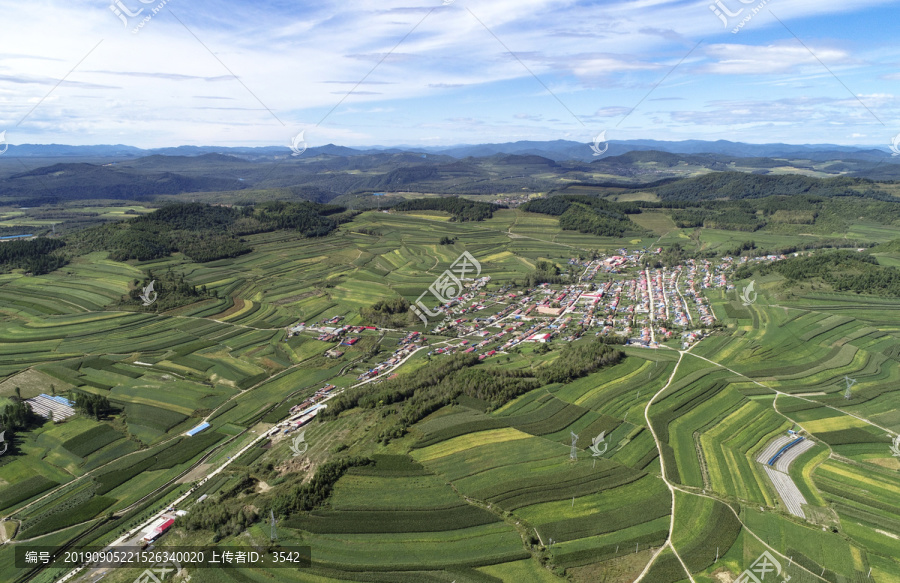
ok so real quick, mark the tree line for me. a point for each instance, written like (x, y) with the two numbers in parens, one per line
(305, 497)
(742, 185)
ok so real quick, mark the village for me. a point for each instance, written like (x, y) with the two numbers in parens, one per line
(617, 296)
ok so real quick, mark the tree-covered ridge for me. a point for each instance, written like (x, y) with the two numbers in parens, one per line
(36, 255)
(843, 270)
(818, 214)
(205, 232)
(461, 209)
(191, 216)
(587, 214)
(63, 182)
(741, 185)
(439, 383)
(304, 497)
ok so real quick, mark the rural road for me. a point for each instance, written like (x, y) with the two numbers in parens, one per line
(125, 538)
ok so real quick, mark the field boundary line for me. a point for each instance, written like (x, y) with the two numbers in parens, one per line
(681, 489)
(662, 466)
(749, 530)
(777, 392)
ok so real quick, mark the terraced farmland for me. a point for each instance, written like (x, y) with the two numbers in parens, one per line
(663, 483)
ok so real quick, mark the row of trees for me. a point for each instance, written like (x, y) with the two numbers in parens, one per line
(17, 415)
(577, 360)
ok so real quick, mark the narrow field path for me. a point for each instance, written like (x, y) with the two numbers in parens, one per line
(669, 485)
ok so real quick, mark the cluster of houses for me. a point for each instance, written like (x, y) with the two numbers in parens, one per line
(708, 276)
(407, 345)
(303, 413)
(633, 307)
(638, 305)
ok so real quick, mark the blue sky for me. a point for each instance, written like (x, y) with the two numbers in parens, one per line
(257, 73)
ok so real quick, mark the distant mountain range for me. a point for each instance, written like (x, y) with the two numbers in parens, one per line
(557, 150)
(33, 175)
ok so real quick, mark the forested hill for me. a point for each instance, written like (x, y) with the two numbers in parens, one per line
(669, 160)
(842, 270)
(66, 182)
(461, 209)
(587, 214)
(205, 232)
(36, 256)
(740, 185)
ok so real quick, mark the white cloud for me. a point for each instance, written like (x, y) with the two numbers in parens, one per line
(790, 57)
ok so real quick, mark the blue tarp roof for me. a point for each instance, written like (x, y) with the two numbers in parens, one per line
(60, 400)
(197, 429)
